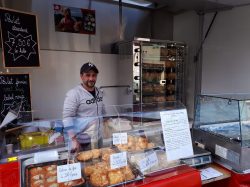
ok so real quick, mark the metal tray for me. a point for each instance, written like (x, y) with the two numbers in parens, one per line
(142, 134)
(161, 168)
(138, 176)
(26, 180)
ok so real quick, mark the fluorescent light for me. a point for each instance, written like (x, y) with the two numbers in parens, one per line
(142, 3)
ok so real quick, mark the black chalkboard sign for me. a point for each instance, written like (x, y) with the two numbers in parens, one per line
(15, 95)
(19, 39)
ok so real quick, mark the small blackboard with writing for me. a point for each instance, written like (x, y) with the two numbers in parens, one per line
(19, 39)
(15, 95)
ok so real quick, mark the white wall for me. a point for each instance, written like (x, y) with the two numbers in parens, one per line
(226, 53)
(62, 54)
(136, 23)
(59, 72)
(186, 29)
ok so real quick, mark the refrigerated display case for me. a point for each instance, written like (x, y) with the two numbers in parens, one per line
(130, 137)
(222, 125)
(157, 69)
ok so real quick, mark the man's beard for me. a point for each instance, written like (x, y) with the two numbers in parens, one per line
(90, 84)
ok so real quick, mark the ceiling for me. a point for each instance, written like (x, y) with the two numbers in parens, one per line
(176, 6)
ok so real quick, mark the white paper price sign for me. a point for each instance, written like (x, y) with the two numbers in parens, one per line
(148, 162)
(176, 133)
(118, 160)
(68, 172)
(120, 138)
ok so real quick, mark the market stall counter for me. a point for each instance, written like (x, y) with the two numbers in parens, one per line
(177, 177)
(124, 146)
(9, 174)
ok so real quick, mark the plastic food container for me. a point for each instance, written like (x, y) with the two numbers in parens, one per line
(33, 139)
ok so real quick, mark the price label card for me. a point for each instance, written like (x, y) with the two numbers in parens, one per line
(118, 160)
(120, 138)
(148, 162)
(68, 172)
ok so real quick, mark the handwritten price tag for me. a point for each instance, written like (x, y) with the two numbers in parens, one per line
(68, 172)
(118, 160)
(120, 138)
(148, 162)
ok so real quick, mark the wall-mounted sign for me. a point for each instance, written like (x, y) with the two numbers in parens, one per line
(75, 20)
(15, 95)
(19, 39)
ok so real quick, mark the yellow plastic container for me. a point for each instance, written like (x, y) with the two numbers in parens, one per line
(33, 139)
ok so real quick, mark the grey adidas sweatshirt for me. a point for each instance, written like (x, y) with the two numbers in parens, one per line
(81, 111)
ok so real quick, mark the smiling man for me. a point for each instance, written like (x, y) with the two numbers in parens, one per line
(82, 107)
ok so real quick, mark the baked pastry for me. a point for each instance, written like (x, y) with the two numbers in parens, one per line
(147, 88)
(106, 152)
(122, 147)
(160, 99)
(88, 170)
(170, 98)
(51, 173)
(115, 177)
(170, 87)
(36, 171)
(102, 166)
(96, 153)
(171, 76)
(131, 142)
(72, 183)
(169, 64)
(164, 52)
(50, 167)
(159, 89)
(150, 145)
(142, 142)
(37, 183)
(84, 156)
(172, 52)
(37, 177)
(99, 180)
(128, 174)
(51, 179)
(53, 185)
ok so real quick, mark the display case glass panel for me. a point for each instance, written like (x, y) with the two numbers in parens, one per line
(222, 125)
(123, 145)
(226, 115)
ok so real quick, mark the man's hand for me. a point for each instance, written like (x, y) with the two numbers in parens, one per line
(74, 145)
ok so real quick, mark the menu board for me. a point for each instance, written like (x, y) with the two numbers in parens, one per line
(19, 39)
(15, 95)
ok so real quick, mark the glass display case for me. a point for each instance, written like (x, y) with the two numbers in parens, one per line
(124, 145)
(222, 124)
(157, 69)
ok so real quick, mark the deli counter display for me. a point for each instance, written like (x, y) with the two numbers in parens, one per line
(123, 146)
(222, 126)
